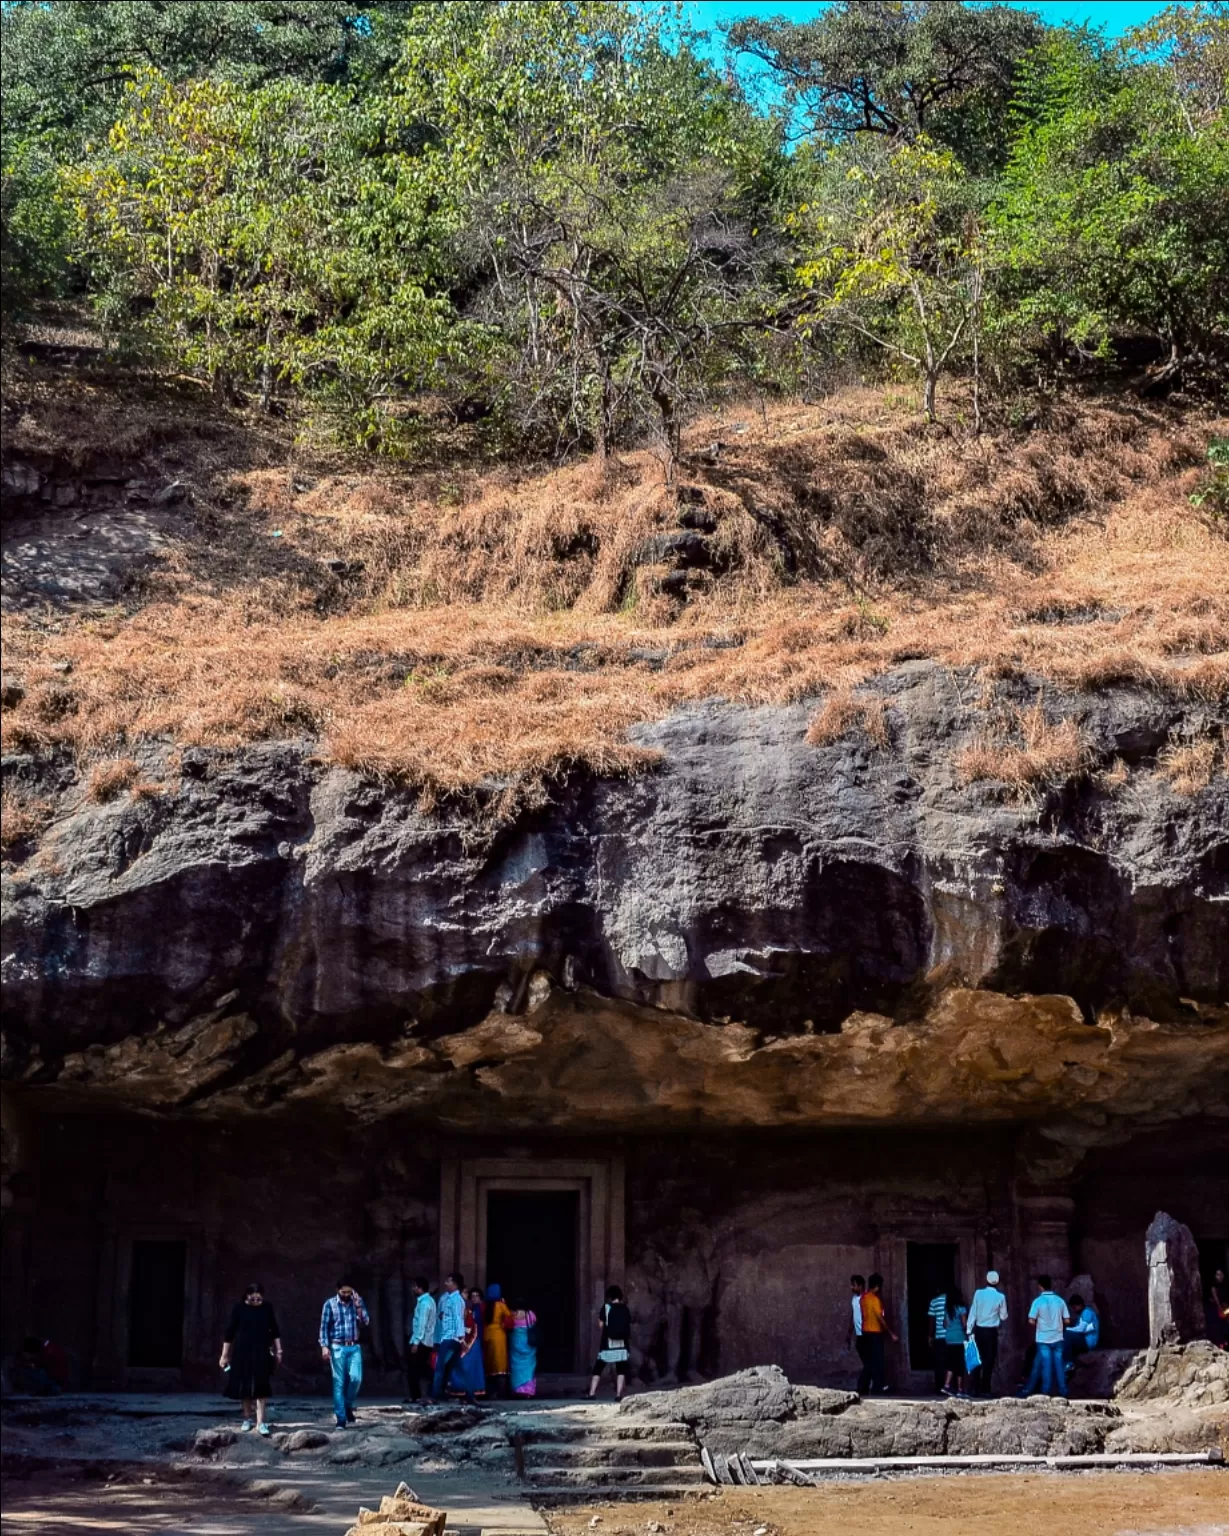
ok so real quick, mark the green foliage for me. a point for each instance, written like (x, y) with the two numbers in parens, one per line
(562, 216)
(1112, 212)
(900, 69)
(1213, 494)
(612, 187)
(271, 239)
(894, 251)
(65, 66)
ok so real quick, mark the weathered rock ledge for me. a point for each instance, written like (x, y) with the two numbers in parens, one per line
(758, 931)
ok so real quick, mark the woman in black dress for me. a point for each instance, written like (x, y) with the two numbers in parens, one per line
(251, 1347)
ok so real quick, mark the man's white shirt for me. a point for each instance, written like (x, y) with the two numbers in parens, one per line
(988, 1308)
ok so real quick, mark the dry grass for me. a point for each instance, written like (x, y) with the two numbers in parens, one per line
(844, 712)
(495, 629)
(1191, 766)
(23, 815)
(108, 780)
(1030, 750)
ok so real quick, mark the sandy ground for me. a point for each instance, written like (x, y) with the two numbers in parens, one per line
(1176, 1503)
(1171, 1503)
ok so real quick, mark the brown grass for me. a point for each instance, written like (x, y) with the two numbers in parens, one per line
(844, 712)
(1029, 751)
(1191, 766)
(108, 780)
(23, 816)
(493, 628)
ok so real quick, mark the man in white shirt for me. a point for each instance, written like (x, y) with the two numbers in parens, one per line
(422, 1338)
(451, 1333)
(987, 1313)
(1049, 1317)
(857, 1284)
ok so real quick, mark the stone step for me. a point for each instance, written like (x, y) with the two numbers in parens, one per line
(607, 1430)
(612, 1453)
(588, 1477)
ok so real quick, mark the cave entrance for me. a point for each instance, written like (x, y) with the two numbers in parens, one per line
(532, 1250)
(549, 1225)
(929, 1269)
(156, 1303)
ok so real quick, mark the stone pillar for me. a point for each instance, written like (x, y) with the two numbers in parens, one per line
(1175, 1293)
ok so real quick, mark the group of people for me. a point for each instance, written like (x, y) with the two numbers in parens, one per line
(461, 1342)
(964, 1338)
(467, 1342)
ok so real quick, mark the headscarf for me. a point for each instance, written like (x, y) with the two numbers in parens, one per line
(493, 1293)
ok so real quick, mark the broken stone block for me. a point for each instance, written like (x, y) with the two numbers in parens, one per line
(1175, 1298)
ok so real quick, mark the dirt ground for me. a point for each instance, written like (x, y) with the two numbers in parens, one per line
(63, 1501)
(1171, 1503)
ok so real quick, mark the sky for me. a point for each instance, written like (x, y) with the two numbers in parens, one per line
(1115, 16)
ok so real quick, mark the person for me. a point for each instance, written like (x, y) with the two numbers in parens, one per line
(987, 1314)
(1216, 1310)
(341, 1319)
(452, 1330)
(615, 1321)
(495, 1342)
(875, 1331)
(251, 1348)
(955, 1335)
(857, 1284)
(522, 1325)
(422, 1339)
(470, 1376)
(40, 1368)
(1047, 1316)
(936, 1312)
(1083, 1334)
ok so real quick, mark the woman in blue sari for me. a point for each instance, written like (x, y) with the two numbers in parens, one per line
(522, 1350)
(469, 1375)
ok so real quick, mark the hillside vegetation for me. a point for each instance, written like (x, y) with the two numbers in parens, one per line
(520, 375)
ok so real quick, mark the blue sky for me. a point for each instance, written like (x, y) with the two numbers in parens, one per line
(1115, 16)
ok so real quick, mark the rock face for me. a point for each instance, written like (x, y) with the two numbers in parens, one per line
(1196, 1374)
(1175, 1291)
(757, 932)
(763, 1414)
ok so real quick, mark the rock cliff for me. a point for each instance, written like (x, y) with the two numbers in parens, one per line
(755, 930)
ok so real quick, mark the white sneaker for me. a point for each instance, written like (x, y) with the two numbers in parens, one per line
(262, 1429)
(245, 1426)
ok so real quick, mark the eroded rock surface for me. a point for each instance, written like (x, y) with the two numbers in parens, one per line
(760, 1412)
(757, 931)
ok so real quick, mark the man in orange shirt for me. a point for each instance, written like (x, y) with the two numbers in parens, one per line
(875, 1333)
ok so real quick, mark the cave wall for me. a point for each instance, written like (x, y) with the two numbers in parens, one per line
(738, 1248)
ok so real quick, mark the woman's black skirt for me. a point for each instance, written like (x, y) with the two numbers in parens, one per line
(250, 1378)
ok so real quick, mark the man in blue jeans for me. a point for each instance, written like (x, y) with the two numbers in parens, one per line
(450, 1333)
(343, 1315)
(1048, 1316)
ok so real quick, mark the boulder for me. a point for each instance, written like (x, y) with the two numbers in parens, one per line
(1195, 1375)
(1175, 1292)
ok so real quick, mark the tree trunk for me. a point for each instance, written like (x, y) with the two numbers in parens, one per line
(929, 394)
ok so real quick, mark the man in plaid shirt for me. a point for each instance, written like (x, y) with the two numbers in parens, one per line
(343, 1315)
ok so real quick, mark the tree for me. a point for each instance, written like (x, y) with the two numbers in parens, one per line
(272, 238)
(894, 251)
(611, 182)
(1112, 211)
(899, 68)
(65, 66)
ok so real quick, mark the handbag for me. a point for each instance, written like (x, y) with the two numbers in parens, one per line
(972, 1355)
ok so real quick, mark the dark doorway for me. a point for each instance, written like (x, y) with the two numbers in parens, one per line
(531, 1251)
(156, 1303)
(929, 1269)
(1213, 1255)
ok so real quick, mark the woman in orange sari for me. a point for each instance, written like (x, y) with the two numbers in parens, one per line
(495, 1342)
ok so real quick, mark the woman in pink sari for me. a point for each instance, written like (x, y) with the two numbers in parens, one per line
(522, 1326)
